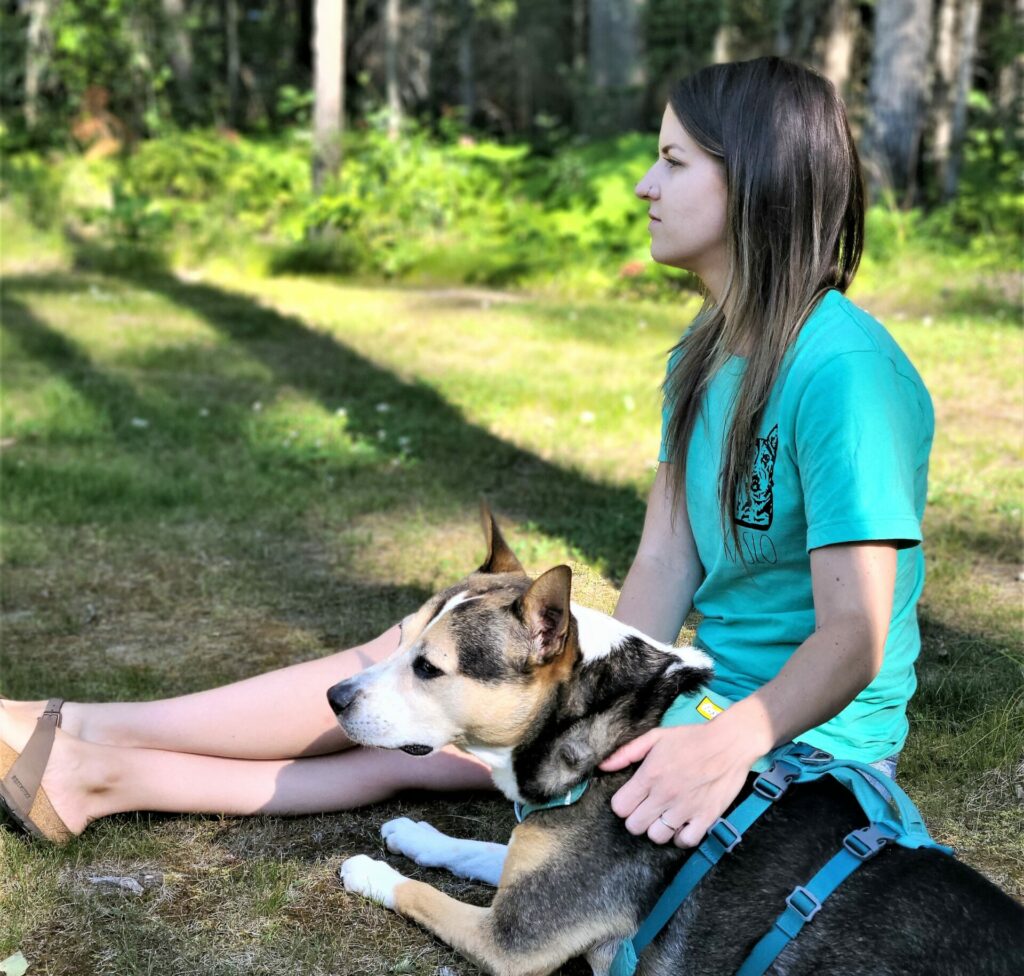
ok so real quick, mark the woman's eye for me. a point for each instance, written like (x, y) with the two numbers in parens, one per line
(422, 668)
(671, 162)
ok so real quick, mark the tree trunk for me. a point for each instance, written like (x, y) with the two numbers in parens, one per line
(837, 44)
(140, 71)
(579, 64)
(615, 57)
(1010, 75)
(797, 25)
(467, 74)
(896, 96)
(965, 71)
(392, 15)
(37, 57)
(233, 59)
(428, 53)
(721, 48)
(180, 54)
(328, 88)
(944, 89)
(783, 36)
(533, 63)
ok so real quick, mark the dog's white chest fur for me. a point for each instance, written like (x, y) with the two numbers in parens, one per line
(499, 758)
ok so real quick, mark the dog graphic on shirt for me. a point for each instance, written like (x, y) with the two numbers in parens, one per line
(755, 504)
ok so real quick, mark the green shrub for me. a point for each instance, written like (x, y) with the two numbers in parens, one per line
(987, 215)
(442, 209)
(188, 165)
(888, 231)
(36, 183)
(324, 253)
(133, 234)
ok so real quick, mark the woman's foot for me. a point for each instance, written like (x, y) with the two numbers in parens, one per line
(70, 781)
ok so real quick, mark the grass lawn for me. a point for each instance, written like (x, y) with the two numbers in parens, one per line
(208, 476)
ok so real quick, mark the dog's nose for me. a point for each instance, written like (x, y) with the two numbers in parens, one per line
(342, 695)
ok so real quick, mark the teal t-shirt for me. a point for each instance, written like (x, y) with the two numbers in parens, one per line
(842, 456)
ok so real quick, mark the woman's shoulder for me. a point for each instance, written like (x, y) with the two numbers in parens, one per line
(837, 328)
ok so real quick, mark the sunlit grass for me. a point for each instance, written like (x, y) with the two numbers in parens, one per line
(208, 477)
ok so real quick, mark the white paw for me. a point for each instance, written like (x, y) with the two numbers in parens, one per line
(371, 879)
(419, 842)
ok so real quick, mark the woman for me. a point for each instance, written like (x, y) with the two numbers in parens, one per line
(774, 397)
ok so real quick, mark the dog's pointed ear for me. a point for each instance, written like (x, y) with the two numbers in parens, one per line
(500, 559)
(546, 613)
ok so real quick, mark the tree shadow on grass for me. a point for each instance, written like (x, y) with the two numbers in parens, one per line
(1002, 545)
(115, 474)
(454, 456)
(998, 297)
(599, 520)
(970, 692)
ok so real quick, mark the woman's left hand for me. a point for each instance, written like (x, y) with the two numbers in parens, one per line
(689, 776)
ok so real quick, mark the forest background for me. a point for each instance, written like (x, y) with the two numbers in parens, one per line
(484, 140)
(286, 286)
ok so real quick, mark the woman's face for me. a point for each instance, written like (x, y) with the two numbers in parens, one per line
(686, 192)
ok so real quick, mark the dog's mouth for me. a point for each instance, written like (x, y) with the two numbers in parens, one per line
(417, 750)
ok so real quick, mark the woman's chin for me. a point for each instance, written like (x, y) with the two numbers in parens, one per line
(669, 260)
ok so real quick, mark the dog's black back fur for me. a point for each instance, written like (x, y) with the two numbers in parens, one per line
(904, 913)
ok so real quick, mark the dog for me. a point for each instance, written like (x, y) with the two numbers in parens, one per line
(755, 505)
(543, 690)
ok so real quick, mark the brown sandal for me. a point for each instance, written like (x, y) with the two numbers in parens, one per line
(22, 798)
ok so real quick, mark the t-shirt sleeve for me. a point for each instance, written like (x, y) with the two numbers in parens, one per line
(863, 432)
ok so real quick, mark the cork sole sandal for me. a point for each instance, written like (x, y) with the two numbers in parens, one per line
(22, 798)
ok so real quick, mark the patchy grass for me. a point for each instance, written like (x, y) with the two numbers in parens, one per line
(205, 478)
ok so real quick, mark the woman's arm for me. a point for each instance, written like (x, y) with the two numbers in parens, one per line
(690, 774)
(853, 589)
(658, 590)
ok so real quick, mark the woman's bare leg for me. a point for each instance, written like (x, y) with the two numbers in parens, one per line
(85, 781)
(281, 714)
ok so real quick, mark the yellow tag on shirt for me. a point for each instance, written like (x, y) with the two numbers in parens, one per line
(708, 709)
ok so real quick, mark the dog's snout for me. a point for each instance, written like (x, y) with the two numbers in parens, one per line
(342, 695)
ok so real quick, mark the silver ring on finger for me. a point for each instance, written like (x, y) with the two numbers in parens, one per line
(665, 823)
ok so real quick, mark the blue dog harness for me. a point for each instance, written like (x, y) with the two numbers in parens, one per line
(893, 819)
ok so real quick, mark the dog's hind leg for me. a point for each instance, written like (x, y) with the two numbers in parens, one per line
(474, 859)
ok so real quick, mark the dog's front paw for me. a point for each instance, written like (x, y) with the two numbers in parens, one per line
(371, 879)
(419, 842)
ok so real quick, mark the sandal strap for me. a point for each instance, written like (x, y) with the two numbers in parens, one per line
(24, 778)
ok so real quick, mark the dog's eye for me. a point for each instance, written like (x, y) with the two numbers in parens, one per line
(422, 668)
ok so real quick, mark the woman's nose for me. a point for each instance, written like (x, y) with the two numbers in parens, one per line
(646, 189)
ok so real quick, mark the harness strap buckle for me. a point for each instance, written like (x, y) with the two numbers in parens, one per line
(810, 755)
(725, 833)
(803, 903)
(773, 782)
(866, 842)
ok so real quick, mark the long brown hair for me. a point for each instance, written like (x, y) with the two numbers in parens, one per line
(795, 229)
